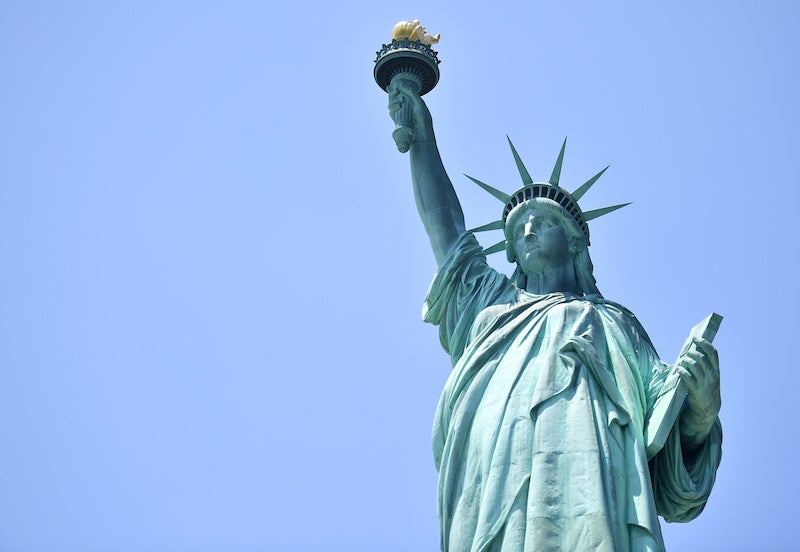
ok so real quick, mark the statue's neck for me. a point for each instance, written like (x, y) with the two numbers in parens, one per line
(554, 280)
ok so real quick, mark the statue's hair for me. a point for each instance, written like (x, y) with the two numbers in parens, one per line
(579, 246)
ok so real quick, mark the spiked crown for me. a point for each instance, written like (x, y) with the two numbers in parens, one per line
(550, 190)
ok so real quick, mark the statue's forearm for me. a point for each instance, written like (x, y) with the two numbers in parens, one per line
(436, 199)
(694, 429)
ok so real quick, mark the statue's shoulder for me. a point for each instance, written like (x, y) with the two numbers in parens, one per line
(605, 305)
(597, 310)
(569, 308)
(620, 317)
(488, 315)
(493, 311)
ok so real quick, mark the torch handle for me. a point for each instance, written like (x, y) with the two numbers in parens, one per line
(404, 133)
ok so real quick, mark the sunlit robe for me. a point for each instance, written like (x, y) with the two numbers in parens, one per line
(538, 436)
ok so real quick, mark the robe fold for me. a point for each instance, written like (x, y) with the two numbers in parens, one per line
(538, 435)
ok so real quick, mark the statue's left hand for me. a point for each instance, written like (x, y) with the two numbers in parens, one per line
(699, 371)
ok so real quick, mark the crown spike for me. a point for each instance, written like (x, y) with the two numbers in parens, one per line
(577, 194)
(496, 248)
(502, 196)
(496, 225)
(554, 178)
(593, 214)
(523, 172)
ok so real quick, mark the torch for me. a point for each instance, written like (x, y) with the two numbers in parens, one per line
(408, 58)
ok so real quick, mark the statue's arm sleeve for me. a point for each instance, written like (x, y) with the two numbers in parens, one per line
(463, 286)
(682, 480)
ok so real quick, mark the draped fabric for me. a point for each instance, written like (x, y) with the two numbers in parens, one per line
(538, 435)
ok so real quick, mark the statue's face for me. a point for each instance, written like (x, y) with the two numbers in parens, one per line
(539, 241)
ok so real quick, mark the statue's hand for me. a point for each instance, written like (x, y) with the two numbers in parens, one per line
(402, 93)
(698, 368)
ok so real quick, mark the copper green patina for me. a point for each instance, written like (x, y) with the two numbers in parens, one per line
(559, 429)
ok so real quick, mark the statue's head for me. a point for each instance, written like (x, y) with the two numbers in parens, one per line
(561, 218)
(542, 235)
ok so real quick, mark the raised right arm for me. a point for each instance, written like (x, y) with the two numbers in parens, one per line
(436, 199)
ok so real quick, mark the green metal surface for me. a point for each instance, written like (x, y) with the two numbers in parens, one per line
(559, 428)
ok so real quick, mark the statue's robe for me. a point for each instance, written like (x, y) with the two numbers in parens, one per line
(538, 436)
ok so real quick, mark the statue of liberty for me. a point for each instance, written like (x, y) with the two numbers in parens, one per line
(551, 433)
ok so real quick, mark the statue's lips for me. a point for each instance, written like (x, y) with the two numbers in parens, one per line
(531, 253)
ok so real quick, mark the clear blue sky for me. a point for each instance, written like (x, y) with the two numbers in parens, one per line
(213, 270)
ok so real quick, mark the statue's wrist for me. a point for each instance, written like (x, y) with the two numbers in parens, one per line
(424, 142)
(696, 426)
